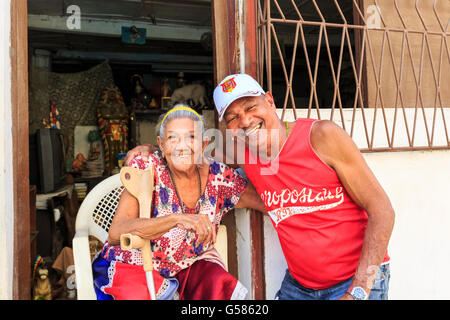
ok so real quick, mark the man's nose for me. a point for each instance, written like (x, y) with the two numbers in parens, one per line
(244, 122)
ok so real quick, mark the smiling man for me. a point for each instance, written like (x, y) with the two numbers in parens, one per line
(332, 217)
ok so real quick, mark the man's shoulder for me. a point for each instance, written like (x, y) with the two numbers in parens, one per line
(324, 127)
(328, 140)
(325, 132)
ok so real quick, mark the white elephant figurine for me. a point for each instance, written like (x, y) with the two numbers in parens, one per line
(195, 92)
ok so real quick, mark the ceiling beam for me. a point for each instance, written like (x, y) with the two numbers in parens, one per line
(113, 28)
(138, 57)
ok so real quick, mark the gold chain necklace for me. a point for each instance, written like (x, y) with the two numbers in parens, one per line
(183, 209)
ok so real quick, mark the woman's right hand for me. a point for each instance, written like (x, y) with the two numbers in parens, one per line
(200, 224)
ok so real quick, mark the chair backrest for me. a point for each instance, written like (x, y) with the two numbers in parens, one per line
(98, 208)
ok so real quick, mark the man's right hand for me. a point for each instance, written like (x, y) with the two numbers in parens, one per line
(144, 151)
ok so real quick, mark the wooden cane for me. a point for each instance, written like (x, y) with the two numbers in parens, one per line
(139, 183)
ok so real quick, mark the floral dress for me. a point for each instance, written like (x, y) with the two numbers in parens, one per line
(178, 249)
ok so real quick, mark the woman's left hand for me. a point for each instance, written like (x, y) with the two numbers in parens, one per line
(200, 224)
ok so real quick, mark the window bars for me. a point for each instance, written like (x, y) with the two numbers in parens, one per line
(378, 68)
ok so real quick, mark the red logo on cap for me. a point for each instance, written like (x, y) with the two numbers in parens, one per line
(228, 85)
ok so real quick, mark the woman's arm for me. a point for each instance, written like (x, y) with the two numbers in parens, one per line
(126, 220)
(251, 199)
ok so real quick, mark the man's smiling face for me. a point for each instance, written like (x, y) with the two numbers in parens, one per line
(253, 119)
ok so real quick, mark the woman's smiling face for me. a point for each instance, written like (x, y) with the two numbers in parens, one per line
(182, 144)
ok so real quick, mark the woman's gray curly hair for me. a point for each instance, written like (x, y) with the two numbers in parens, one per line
(178, 114)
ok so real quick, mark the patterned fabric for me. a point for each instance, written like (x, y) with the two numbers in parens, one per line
(203, 280)
(75, 94)
(178, 248)
(114, 280)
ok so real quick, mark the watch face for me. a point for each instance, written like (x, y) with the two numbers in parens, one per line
(358, 293)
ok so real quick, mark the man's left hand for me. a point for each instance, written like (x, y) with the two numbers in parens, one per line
(347, 296)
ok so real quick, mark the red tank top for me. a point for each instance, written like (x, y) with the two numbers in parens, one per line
(321, 229)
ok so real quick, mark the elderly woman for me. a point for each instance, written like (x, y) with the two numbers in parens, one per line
(190, 198)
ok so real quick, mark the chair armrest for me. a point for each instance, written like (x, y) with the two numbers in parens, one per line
(221, 244)
(83, 266)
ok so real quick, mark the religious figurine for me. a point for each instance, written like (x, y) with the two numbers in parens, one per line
(153, 104)
(78, 163)
(180, 80)
(140, 99)
(54, 123)
(165, 94)
(45, 123)
(113, 124)
(165, 87)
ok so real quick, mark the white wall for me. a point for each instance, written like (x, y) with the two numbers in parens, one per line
(418, 184)
(6, 177)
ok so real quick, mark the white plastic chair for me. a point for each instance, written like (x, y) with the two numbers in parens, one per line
(94, 219)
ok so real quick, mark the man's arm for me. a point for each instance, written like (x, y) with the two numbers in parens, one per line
(143, 150)
(251, 199)
(336, 148)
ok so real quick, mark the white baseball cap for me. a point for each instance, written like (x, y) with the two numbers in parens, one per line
(233, 87)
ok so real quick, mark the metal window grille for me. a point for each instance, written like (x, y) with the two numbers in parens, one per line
(378, 68)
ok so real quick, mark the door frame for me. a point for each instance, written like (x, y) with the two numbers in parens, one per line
(21, 187)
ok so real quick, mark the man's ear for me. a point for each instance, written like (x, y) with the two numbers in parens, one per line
(269, 99)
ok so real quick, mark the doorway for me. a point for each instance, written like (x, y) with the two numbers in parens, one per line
(53, 39)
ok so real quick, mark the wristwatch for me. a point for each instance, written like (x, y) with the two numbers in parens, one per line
(358, 293)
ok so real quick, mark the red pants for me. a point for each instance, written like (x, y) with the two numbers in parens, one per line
(205, 280)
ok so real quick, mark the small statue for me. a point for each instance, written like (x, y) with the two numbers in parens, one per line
(194, 92)
(165, 94)
(45, 123)
(78, 163)
(141, 99)
(153, 104)
(42, 289)
(54, 123)
(113, 124)
(180, 80)
(165, 87)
